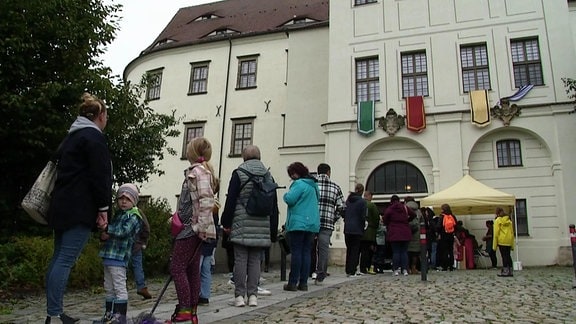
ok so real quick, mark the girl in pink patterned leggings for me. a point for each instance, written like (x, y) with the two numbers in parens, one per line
(195, 211)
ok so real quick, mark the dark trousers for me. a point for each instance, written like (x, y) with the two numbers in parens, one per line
(493, 258)
(314, 256)
(446, 251)
(366, 253)
(506, 258)
(352, 252)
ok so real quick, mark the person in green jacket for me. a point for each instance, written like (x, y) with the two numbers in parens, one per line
(368, 241)
(504, 240)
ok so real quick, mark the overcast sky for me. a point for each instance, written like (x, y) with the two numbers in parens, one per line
(142, 21)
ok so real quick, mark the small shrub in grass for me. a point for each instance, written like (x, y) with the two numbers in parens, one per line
(157, 253)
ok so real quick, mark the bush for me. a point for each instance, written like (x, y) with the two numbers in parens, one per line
(157, 252)
(24, 259)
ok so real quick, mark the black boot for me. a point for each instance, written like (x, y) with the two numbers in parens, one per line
(120, 310)
(510, 274)
(505, 272)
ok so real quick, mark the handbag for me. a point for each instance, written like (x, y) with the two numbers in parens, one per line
(37, 201)
(176, 225)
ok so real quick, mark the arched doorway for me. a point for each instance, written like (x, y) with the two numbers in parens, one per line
(396, 178)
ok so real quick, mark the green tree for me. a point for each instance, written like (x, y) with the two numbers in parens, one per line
(570, 85)
(49, 56)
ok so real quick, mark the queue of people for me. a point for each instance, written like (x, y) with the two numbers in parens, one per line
(314, 205)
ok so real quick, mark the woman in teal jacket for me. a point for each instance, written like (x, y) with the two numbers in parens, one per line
(302, 223)
(504, 240)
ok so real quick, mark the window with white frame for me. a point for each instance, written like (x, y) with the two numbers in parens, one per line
(521, 217)
(526, 61)
(414, 74)
(154, 79)
(191, 131)
(246, 72)
(475, 73)
(242, 130)
(508, 153)
(367, 79)
(198, 78)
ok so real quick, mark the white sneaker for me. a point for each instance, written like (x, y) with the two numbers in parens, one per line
(231, 282)
(396, 272)
(252, 301)
(239, 301)
(405, 272)
(262, 279)
(263, 292)
(314, 275)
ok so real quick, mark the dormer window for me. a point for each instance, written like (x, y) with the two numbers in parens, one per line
(163, 42)
(206, 17)
(223, 31)
(299, 20)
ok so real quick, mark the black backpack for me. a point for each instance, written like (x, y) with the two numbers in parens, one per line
(262, 198)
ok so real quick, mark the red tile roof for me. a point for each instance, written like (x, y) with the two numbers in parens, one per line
(240, 18)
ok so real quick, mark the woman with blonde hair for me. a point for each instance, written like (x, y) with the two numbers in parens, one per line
(195, 206)
(81, 196)
(503, 240)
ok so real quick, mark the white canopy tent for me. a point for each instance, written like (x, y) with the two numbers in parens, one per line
(471, 197)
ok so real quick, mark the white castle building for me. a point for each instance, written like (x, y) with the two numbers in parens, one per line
(403, 96)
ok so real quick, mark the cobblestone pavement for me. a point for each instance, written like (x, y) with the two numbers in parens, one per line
(533, 295)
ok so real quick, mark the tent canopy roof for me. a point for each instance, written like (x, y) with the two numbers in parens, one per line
(469, 197)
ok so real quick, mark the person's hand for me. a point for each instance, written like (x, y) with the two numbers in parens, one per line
(102, 220)
(104, 236)
(227, 230)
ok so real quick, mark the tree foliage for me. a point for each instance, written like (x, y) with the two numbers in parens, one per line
(570, 85)
(49, 56)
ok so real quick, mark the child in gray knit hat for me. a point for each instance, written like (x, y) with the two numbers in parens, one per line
(118, 239)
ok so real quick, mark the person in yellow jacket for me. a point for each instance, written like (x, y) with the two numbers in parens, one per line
(504, 240)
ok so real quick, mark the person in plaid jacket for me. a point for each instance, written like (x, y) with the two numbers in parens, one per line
(331, 204)
(116, 250)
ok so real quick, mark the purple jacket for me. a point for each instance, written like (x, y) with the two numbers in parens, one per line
(396, 219)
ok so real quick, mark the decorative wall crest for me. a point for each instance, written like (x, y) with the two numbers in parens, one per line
(505, 111)
(392, 122)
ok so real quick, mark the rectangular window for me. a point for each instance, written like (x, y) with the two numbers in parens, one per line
(241, 135)
(367, 79)
(154, 79)
(246, 73)
(521, 217)
(508, 153)
(475, 74)
(414, 74)
(526, 62)
(198, 78)
(361, 2)
(191, 130)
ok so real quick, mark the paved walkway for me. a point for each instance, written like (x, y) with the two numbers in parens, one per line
(533, 295)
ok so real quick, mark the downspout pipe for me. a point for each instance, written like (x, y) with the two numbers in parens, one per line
(224, 110)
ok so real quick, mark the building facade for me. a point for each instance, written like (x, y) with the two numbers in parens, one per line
(403, 96)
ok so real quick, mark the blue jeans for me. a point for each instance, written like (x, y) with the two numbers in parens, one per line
(300, 249)
(68, 246)
(400, 255)
(137, 267)
(205, 276)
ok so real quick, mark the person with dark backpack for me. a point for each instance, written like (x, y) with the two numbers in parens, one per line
(446, 227)
(250, 217)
